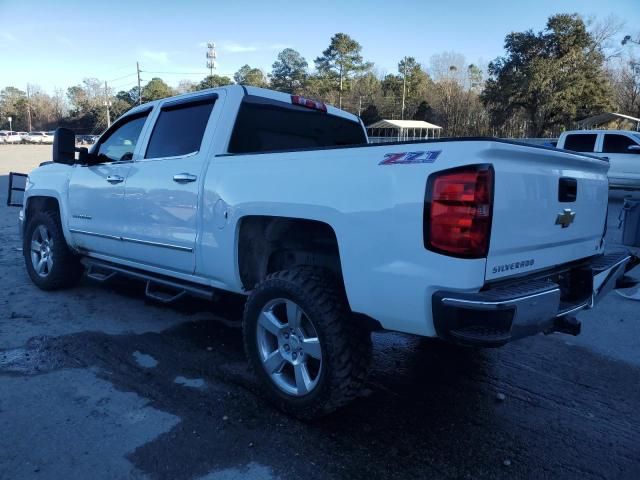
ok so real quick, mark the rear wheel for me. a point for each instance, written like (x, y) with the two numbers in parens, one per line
(302, 343)
(49, 261)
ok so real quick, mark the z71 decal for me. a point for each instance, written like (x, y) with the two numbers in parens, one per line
(410, 157)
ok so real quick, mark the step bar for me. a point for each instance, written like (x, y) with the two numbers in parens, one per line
(158, 287)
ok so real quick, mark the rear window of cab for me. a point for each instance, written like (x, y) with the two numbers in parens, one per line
(265, 125)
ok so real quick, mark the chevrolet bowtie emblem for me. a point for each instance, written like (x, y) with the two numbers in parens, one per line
(565, 218)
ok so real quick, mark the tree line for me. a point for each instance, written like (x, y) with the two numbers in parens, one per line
(541, 85)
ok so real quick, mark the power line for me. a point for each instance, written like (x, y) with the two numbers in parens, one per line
(131, 81)
(186, 73)
(120, 78)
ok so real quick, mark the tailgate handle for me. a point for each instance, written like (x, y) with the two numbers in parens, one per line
(567, 189)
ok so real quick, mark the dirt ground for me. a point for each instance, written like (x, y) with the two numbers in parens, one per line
(97, 382)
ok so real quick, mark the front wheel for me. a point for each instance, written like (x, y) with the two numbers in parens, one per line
(302, 343)
(49, 261)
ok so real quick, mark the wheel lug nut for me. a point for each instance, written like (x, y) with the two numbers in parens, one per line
(294, 355)
(286, 348)
(286, 335)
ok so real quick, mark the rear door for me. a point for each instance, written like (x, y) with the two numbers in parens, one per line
(549, 209)
(161, 201)
(624, 162)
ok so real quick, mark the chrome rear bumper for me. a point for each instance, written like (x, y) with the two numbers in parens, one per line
(499, 315)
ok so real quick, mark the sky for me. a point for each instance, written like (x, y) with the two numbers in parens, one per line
(55, 44)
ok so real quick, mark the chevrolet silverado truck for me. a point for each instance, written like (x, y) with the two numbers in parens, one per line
(621, 148)
(281, 199)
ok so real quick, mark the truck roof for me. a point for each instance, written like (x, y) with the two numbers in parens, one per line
(248, 90)
(598, 131)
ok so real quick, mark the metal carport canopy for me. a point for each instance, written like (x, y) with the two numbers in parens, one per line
(402, 124)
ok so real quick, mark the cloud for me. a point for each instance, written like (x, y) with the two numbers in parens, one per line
(8, 37)
(235, 47)
(155, 56)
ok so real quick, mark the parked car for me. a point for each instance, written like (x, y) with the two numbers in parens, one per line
(620, 147)
(39, 137)
(23, 136)
(86, 139)
(281, 199)
(11, 137)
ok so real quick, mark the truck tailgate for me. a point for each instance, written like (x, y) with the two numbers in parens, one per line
(549, 209)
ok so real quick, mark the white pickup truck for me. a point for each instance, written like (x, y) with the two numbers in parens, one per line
(280, 198)
(620, 147)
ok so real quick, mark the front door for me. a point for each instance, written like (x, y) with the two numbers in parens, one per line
(96, 191)
(162, 191)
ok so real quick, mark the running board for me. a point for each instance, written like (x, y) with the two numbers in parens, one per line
(159, 287)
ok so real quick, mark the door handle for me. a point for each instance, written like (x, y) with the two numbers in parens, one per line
(113, 179)
(184, 178)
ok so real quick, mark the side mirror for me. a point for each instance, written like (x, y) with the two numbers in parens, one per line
(64, 146)
(633, 148)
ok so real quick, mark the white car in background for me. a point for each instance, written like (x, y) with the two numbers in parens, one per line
(620, 147)
(39, 137)
(10, 137)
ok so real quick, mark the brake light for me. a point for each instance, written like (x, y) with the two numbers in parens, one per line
(307, 102)
(458, 210)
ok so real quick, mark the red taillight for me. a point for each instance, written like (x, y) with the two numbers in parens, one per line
(307, 102)
(458, 210)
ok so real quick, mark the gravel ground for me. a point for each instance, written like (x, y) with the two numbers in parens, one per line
(97, 382)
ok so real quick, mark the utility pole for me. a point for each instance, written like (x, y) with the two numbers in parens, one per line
(10, 119)
(139, 87)
(211, 61)
(28, 107)
(404, 86)
(107, 103)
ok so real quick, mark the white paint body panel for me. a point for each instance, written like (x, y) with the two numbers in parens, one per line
(376, 212)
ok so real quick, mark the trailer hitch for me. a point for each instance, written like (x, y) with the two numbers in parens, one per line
(567, 324)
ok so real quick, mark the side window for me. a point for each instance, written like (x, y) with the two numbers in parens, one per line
(179, 129)
(617, 143)
(120, 142)
(580, 142)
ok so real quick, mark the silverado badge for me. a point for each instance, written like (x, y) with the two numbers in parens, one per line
(565, 218)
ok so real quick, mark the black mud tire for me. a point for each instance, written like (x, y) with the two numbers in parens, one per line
(346, 346)
(66, 269)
